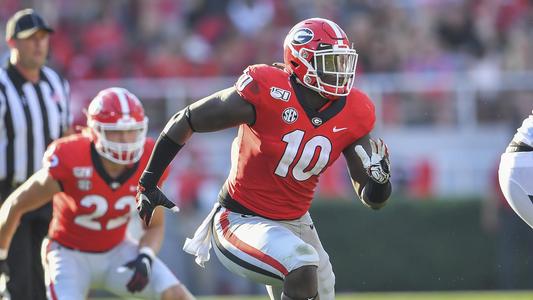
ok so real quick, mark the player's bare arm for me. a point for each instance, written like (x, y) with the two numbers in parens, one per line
(371, 183)
(34, 193)
(149, 245)
(154, 233)
(221, 110)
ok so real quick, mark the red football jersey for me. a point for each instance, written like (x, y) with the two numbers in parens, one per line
(277, 160)
(92, 212)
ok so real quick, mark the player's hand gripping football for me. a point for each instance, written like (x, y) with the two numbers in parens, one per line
(148, 199)
(377, 165)
(142, 268)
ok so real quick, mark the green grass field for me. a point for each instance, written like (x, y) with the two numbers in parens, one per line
(413, 296)
(474, 295)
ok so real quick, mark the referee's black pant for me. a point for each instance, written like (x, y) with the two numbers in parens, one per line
(24, 258)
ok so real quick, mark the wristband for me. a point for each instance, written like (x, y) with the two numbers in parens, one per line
(376, 193)
(148, 252)
(3, 254)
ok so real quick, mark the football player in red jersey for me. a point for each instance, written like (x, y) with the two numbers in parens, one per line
(92, 179)
(294, 121)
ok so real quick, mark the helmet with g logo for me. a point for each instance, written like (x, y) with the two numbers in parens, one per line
(319, 54)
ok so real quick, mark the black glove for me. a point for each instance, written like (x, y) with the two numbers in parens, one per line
(142, 269)
(148, 199)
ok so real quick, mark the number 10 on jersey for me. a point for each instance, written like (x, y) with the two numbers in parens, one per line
(302, 170)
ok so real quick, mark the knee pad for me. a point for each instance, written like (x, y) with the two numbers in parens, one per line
(301, 283)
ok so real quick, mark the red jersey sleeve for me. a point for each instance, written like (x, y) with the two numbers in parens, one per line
(251, 85)
(53, 160)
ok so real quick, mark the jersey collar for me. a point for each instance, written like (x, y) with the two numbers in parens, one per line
(324, 115)
(113, 183)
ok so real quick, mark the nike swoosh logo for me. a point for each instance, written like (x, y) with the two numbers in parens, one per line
(335, 129)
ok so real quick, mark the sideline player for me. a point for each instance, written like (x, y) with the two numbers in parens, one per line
(516, 171)
(294, 121)
(92, 178)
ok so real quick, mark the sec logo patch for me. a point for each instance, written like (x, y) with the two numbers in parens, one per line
(289, 115)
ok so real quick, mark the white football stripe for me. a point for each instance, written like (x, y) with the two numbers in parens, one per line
(338, 31)
(123, 101)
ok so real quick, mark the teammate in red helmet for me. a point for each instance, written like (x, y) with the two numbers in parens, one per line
(91, 179)
(294, 121)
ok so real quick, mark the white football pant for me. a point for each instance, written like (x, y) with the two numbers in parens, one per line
(70, 274)
(516, 181)
(265, 251)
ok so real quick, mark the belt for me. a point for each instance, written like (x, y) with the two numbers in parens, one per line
(514, 147)
(226, 201)
(231, 204)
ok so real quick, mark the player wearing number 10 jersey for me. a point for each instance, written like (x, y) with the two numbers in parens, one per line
(92, 179)
(294, 121)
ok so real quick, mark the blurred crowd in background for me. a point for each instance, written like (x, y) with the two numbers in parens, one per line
(168, 38)
(207, 38)
(111, 40)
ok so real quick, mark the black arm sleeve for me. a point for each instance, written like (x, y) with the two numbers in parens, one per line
(375, 194)
(164, 152)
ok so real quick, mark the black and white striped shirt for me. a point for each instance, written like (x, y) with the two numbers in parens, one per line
(31, 117)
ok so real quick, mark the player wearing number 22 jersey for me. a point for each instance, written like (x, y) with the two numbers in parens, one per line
(92, 211)
(92, 180)
(294, 119)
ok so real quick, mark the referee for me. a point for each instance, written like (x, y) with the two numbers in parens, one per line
(34, 110)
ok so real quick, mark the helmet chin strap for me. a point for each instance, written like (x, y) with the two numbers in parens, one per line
(329, 96)
(323, 94)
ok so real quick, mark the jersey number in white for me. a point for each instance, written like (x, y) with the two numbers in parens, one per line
(294, 140)
(90, 221)
(243, 81)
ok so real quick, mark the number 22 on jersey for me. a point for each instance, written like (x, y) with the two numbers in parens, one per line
(303, 170)
(91, 221)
